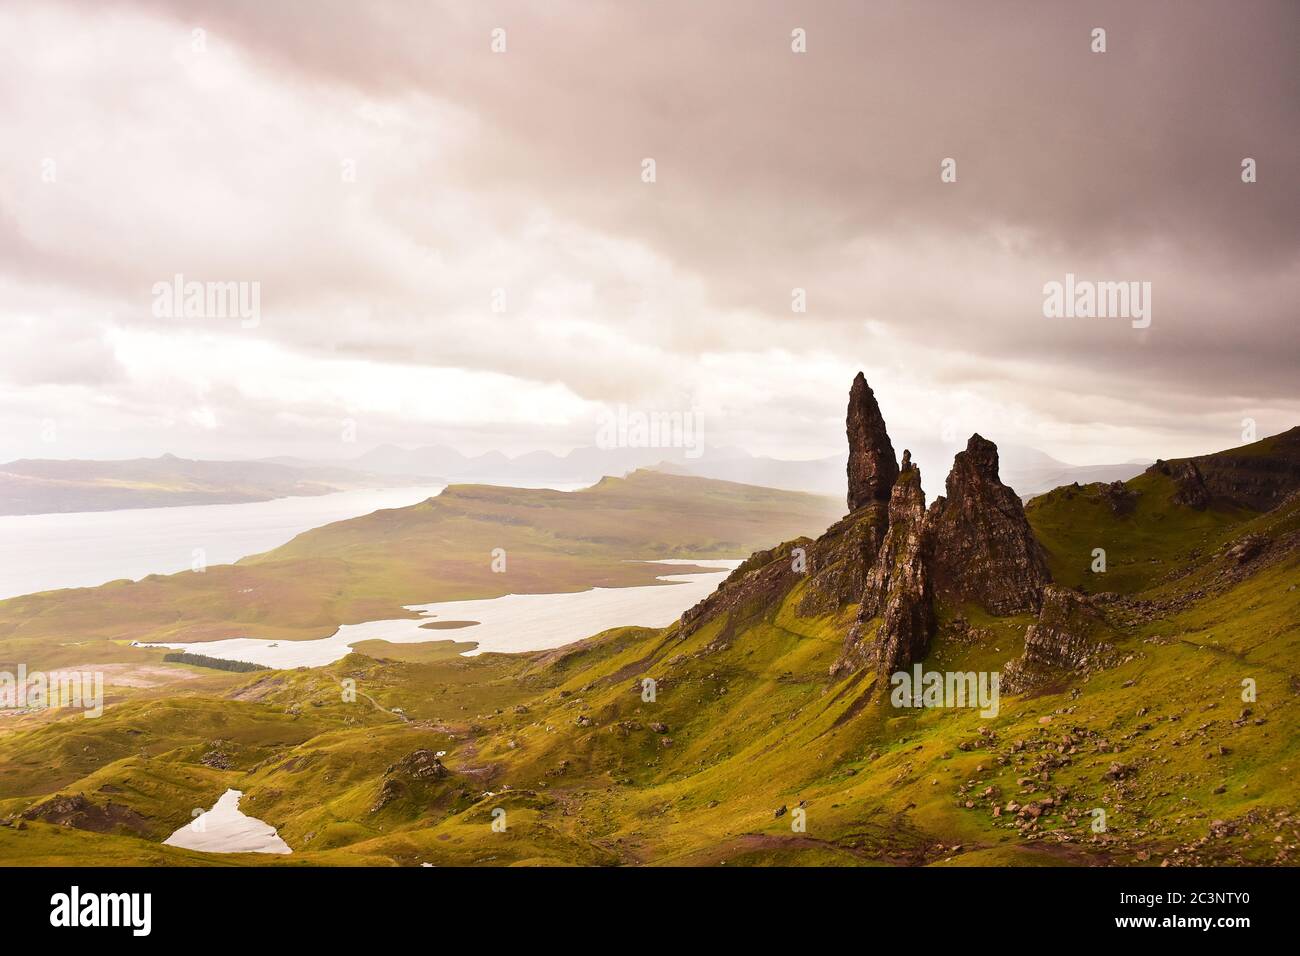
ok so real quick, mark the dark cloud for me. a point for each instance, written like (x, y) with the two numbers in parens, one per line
(775, 171)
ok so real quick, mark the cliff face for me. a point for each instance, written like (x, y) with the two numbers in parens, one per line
(1259, 476)
(897, 587)
(983, 548)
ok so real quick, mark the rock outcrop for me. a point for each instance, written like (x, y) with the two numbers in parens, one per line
(750, 591)
(1119, 497)
(983, 548)
(1259, 476)
(1189, 486)
(890, 556)
(1069, 635)
(838, 562)
(74, 810)
(897, 588)
(873, 467)
(412, 779)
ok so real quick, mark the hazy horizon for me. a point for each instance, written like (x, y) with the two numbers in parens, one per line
(345, 458)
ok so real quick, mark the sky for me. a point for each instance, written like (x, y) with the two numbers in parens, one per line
(447, 214)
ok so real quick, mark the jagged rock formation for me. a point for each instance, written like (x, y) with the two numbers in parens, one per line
(897, 587)
(891, 556)
(872, 467)
(840, 560)
(1069, 635)
(983, 548)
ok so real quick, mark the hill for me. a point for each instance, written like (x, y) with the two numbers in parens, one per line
(1147, 713)
(369, 568)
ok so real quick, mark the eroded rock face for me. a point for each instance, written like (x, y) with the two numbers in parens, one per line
(836, 563)
(897, 588)
(983, 548)
(750, 592)
(1189, 485)
(904, 538)
(1258, 476)
(873, 467)
(890, 555)
(840, 560)
(1062, 636)
(1069, 635)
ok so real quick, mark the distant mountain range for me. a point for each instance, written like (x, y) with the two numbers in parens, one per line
(1027, 470)
(42, 486)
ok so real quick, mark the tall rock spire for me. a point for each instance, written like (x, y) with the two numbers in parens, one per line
(873, 467)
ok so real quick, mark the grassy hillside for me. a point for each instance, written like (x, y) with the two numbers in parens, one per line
(747, 733)
(1141, 545)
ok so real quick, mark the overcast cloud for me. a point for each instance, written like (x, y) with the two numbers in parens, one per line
(136, 149)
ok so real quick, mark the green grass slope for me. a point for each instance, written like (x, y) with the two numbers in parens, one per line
(749, 752)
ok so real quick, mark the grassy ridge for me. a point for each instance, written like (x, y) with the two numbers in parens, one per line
(1141, 546)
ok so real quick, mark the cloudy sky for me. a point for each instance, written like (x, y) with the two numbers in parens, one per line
(454, 244)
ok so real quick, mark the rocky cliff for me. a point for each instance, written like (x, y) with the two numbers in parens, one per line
(983, 549)
(891, 556)
(897, 587)
(1259, 476)
(1070, 637)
